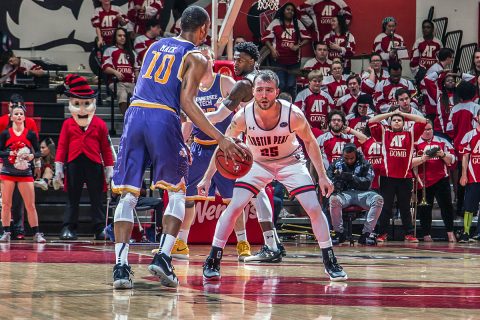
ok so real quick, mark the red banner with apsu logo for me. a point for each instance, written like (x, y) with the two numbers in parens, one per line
(206, 218)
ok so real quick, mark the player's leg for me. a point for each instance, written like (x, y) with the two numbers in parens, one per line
(224, 187)
(299, 183)
(245, 188)
(168, 173)
(127, 181)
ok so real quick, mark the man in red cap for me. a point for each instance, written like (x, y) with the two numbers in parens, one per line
(84, 148)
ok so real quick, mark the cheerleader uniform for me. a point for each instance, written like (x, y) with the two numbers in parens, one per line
(8, 140)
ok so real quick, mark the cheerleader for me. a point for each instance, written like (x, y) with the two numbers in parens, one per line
(18, 148)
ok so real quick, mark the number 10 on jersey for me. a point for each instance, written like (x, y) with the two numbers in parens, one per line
(162, 73)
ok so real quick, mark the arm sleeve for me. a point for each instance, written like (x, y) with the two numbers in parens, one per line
(107, 60)
(418, 129)
(105, 146)
(376, 129)
(63, 142)
(96, 19)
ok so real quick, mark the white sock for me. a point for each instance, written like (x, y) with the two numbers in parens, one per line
(121, 253)
(275, 234)
(183, 235)
(270, 241)
(166, 243)
(241, 235)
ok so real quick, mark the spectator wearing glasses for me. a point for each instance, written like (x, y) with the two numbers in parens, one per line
(375, 73)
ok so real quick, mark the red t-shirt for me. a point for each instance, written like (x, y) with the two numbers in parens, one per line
(471, 145)
(397, 148)
(107, 21)
(284, 37)
(435, 168)
(424, 53)
(315, 106)
(336, 88)
(461, 121)
(332, 145)
(372, 151)
(346, 42)
(150, 10)
(118, 59)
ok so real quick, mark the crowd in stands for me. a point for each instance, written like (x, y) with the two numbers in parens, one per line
(382, 135)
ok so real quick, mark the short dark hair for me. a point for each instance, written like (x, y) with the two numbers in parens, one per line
(430, 22)
(354, 76)
(465, 91)
(151, 23)
(349, 148)
(268, 76)
(394, 66)
(336, 112)
(445, 53)
(285, 96)
(249, 48)
(399, 116)
(193, 17)
(316, 43)
(374, 54)
(401, 91)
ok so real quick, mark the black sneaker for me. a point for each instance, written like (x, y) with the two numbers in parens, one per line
(337, 237)
(161, 267)
(211, 269)
(122, 276)
(282, 249)
(333, 269)
(368, 239)
(464, 238)
(265, 255)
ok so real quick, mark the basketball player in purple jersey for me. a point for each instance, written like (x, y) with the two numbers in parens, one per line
(169, 80)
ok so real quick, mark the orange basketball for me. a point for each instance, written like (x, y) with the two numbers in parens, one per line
(231, 170)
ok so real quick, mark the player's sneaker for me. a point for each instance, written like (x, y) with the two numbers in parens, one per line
(368, 239)
(464, 238)
(411, 238)
(265, 255)
(332, 268)
(243, 250)
(211, 269)
(180, 250)
(382, 238)
(38, 238)
(6, 237)
(476, 237)
(161, 267)
(122, 276)
(282, 249)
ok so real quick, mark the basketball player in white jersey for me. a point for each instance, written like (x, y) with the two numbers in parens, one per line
(245, 58)
(272, 127)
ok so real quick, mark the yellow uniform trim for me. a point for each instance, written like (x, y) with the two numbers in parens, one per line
(169, 187)
(151, 105)
(205, 142)
(126, 189)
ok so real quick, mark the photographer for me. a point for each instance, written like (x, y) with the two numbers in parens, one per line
(434, 156)
(352, 176)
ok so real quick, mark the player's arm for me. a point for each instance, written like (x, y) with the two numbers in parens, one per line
(301, 127)
(234, 130)
(464, 177)
(194, 68)
(241, 91)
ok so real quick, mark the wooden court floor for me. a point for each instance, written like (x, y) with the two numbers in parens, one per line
(395, 281)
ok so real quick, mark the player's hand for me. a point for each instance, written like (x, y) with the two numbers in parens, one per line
(463, 181)
(230, 148)
(325, 186)
(203, 186)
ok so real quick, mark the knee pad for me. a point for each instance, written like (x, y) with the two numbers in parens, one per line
(176, 205)
(124, 209)
(189, 204)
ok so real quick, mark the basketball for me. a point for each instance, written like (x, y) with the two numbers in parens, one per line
(231, 170)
